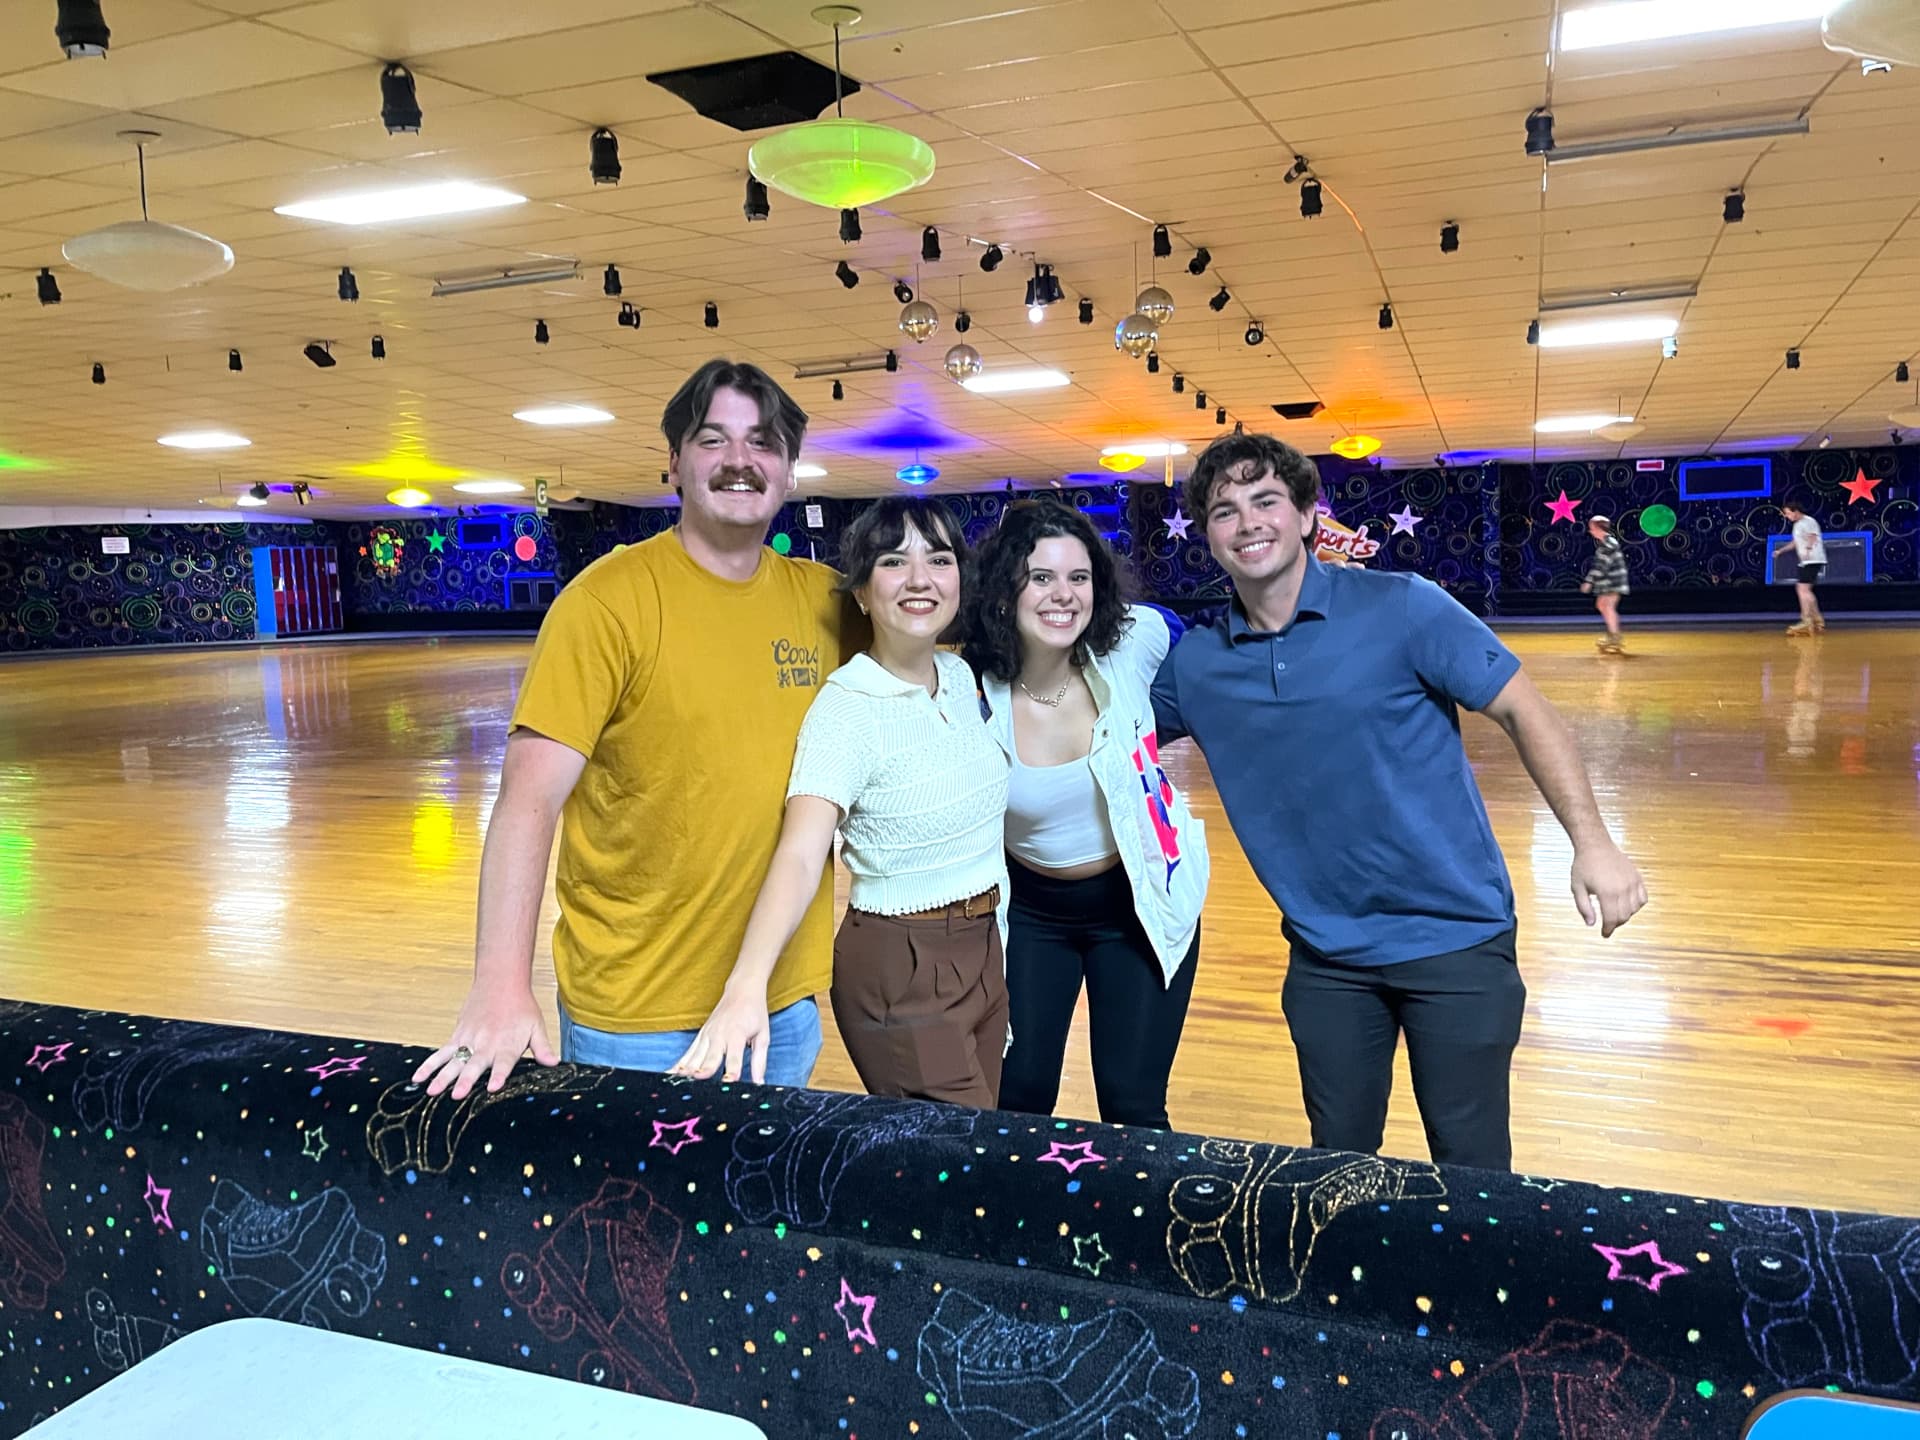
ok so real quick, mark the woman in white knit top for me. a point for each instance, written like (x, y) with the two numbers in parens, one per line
(894, 755)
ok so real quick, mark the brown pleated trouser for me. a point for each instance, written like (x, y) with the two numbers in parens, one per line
(922, 1005)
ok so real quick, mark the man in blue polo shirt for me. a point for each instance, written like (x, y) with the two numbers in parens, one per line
(1327, 705)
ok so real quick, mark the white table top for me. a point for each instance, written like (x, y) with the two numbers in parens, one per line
(271, 1380)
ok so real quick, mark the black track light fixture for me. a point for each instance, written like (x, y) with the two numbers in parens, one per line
(710, 316)
(540, 332)
(348, 287)
(849, 227)
(1220, 416)
(1162, 243)
(1199, 399)
(1220, 300)
(1450, 237)
(839, 391)
(1310, 203)
(233, 361)
(893, 361)
(1297, 169)
(48, 287)
(1239, 427)
(756, 206)
(1793, 359)
(321, 354)
(1202, 258)
(930, 245)
(991, 257)
(963, 322)
(81, 29)
(1386, 317)
(1086, 311)
(1540, 132)
(628, 318)
(610, 281)
(1734, 208)
(1533, 332)
(1255, 335)
(1901, 373)
(399, 110)
(1153, 362)
(1179, 384)
(379, 347)
(603, 151)
(846, 274)
(302, 493)
(99, 373)
(903, 292)
(258, 490)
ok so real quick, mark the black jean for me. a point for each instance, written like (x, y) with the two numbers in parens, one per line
(1059, 933)
(1461, 1014)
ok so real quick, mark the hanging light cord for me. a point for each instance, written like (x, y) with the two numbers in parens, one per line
(141, 151)
(839, 86)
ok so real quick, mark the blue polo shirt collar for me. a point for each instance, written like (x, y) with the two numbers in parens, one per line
(1316, 591)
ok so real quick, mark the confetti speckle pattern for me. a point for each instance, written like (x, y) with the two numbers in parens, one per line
(848, 1266)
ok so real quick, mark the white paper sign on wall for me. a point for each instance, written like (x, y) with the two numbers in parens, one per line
(115, 545)
(816, 518)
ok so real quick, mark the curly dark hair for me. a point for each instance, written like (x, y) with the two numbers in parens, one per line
(992, 644)
(1242, 459)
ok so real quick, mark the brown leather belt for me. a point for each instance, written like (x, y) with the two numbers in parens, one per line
(973, 908)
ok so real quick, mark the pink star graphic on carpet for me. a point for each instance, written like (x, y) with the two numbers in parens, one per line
(338, 1065)
(1562, 508)
(45, 1057)
(158, 1198)
(862, 1303)
(1057, 1155)
(682, 1128)
(1663, 1268)
(1859, 488)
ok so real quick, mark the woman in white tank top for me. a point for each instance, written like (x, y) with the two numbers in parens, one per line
(1108, 867)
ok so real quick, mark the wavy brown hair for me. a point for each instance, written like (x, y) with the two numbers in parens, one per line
(1000, 569)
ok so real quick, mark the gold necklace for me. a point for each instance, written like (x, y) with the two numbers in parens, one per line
(1054, 702)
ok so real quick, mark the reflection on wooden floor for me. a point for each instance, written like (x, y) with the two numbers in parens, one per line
(290, 837)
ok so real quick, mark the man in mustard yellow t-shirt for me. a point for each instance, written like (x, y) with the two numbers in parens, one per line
(656, 723)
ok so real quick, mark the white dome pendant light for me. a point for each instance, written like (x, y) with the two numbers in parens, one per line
(146, 254)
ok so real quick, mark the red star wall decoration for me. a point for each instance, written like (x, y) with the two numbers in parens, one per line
(1859, 488)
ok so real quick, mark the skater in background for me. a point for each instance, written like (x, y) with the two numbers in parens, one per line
(1811, 550)
(1607, 581)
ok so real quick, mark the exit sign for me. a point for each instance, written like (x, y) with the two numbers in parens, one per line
(1645, 465)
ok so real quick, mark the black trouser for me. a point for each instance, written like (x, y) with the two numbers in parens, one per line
(1461, 1014)
(1059, 933)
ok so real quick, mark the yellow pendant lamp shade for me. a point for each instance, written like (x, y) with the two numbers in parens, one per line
(841, 164)
(1355, 447)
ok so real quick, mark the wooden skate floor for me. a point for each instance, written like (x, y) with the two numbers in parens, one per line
(289, 836)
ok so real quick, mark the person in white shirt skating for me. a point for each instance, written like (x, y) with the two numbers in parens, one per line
(1812, 553)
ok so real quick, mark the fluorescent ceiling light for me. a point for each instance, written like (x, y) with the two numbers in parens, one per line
(1615, 330)
(804, 471)
(1008, 382)
(1629, 22)
(1148, 449)
(563, 415)
(489, 487)
(1579, 424)
(205, 440)
(409, 202)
